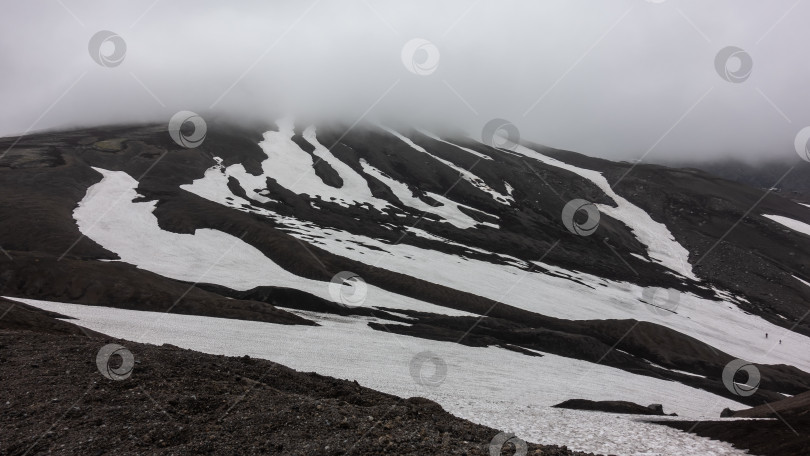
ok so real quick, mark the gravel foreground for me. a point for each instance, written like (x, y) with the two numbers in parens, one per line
(55, 400)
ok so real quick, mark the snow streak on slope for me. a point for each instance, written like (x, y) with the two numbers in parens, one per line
(293, 169)
(354, 185)
(802, 281)
(561, 294)
(108, 216)
(434, 137)
(449, 210)
(465, 174)
(491, 386)
(661, 245)
(794, 225)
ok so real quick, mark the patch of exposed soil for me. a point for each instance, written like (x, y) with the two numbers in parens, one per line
(611, 407)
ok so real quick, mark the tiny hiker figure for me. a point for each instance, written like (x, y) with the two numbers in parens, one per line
(766, 335)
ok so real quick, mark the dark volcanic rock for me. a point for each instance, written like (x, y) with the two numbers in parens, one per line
(611, 407)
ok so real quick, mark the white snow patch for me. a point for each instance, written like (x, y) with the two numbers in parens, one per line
(448, 211)
(802, 281)
(491, 386)
(636, 255)
(794, 225)
(465, 149)
(688, 373)
(293, 168)
(509, 189)
(355, 187)
(464, 173)
(661, 245)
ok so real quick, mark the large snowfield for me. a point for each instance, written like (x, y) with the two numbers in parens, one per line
(492, 386)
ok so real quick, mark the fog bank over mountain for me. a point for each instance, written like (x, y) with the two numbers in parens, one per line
(620, 79)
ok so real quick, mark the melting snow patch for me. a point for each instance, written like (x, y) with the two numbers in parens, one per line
(802, 281)
(794, 225)
(636, 255)
(661, 245)
(449, 210)
(477, 154)
(464, 173)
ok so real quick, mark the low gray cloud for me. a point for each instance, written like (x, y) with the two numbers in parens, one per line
(617, 79)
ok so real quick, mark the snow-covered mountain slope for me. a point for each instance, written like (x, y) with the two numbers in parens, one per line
(131, 230)
(109, 216)
(392, 240)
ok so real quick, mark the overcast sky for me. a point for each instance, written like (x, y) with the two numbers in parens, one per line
(617, 79)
